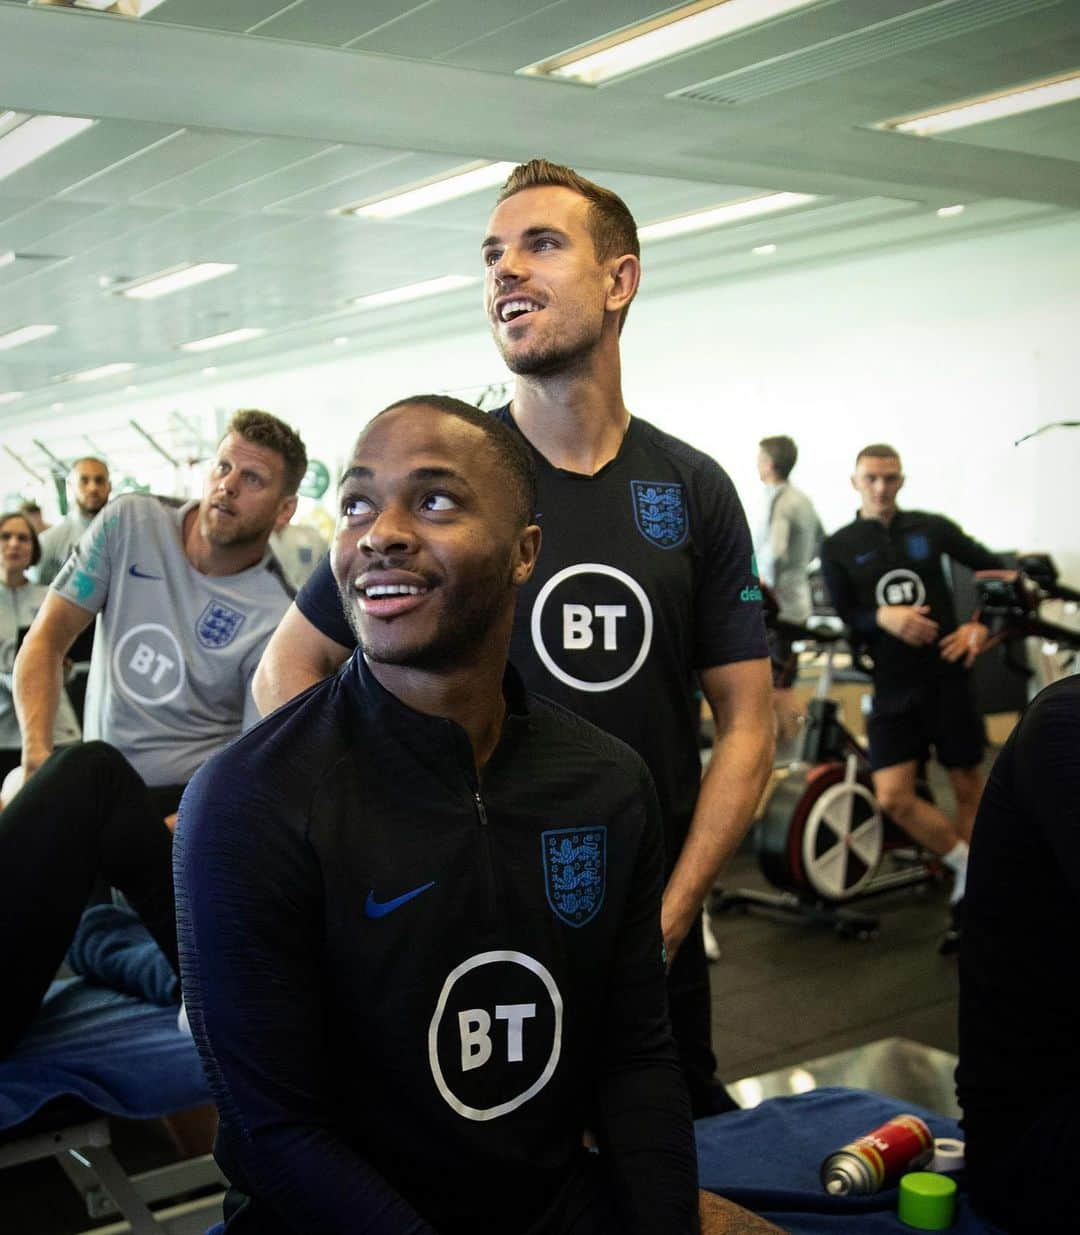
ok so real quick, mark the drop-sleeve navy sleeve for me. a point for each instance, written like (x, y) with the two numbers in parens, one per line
(646, 1133)
(966, 549)
(249, 917)
(318, 600)
(861, 622)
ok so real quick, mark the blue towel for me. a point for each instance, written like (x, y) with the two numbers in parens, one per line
(115, 1053)
(767, 1159)
(113, 948)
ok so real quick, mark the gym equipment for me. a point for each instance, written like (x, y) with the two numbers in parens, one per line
(823, 839)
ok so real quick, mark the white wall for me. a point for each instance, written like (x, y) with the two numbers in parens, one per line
(949, 352)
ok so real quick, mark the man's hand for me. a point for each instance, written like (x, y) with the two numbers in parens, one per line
(720, 1217)
(965, 643)
(675, 926)
(909, 624)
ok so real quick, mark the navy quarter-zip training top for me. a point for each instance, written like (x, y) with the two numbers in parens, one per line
(412, 989)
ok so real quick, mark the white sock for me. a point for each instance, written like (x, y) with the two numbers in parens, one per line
(957, 861)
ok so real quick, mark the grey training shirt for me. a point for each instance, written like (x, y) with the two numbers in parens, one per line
(175, 650)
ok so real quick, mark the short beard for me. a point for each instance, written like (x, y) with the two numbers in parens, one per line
(561, 358)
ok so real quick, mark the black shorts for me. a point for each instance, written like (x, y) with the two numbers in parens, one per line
(941, 715)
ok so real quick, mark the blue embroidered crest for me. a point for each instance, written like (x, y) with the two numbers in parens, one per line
(918, 546)
(575, 872)
(218, 624)
(660, 512)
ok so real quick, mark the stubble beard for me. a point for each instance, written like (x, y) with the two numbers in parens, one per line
(557, 358)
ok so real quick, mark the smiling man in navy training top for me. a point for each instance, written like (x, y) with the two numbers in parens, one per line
(645, 586)
(419, 908)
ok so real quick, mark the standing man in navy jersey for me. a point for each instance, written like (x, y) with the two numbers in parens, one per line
(886, 576)
(645, 584)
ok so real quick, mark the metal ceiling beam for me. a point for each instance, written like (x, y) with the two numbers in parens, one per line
(88, 64)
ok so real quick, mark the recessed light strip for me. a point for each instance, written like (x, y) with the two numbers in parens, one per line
(1031, 97)
(25, 334)
(105, 370)
(175, 279)
(225, 339)
(34, 137)
(646, 42)
(414, 291)
(720, 216)
(10, 396)
(433, 192)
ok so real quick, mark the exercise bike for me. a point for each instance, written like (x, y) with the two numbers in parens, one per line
(823, 839)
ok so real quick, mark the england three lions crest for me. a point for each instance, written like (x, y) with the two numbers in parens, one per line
(218, 624)
(660, 512)
(575, 872)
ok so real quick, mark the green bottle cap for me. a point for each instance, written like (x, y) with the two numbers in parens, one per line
(927, 1201)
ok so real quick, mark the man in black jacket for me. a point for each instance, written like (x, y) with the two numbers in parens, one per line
(419, 909)
(885, 572)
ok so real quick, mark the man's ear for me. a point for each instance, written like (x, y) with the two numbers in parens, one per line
(527, 551)
(625, 273)
(285, 512)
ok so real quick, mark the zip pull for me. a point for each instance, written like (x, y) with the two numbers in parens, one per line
(480, 809)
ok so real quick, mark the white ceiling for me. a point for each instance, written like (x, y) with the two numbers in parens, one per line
(228, 130)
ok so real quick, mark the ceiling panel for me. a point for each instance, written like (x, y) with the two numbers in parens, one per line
(130, 196)
(231, 15)
(90, 153)
(253, 160)
(332, 22)
(155, 165)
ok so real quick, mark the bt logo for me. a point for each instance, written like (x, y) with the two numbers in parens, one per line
(148, 664)
(900, 587)
(496, 1035)
(592, 626)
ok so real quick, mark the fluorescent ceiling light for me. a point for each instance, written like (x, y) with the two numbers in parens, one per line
(35, 136)
(414, 291)
(25, 334)
(719, 216)
(174, 280)
(990, 107)
(433, 192)
(226, 339)
(105, 370)
(764, 250)
(7, 256)
(10, 396)
(681, 30)
(947, 212)
(209, 371)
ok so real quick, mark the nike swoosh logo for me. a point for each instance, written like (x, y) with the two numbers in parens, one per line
(379, 909)
(136, 573)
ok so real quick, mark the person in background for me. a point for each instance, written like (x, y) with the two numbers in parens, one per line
(188, 598)
(788, 541)
(89, 488)
(645, 586)
(886, 576)
(19, 602)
